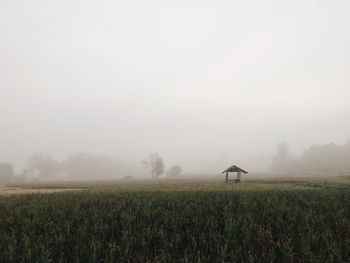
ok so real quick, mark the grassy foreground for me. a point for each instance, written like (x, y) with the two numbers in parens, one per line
(297, 222)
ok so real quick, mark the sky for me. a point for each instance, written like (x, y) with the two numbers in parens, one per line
(202, 83)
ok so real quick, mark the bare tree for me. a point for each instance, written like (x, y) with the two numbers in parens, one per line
(155, 162)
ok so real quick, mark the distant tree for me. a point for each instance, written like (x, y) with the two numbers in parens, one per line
(7, 174)
(155, 162)
(174, 171)
(281, 161)
(283, 151)
(41, 166)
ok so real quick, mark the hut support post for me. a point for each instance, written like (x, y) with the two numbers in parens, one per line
(226, 177)
(238, 176)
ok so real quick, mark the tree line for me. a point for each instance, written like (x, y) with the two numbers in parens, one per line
(327, 159)
(79, 166)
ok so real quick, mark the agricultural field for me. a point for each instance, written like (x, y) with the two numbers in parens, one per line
(259, 220)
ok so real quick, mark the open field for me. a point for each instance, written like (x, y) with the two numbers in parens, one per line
(259, 220)
(209, 183)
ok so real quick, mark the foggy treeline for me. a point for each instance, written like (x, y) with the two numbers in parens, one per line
(327, 159)
(84, 166)
(76, 166)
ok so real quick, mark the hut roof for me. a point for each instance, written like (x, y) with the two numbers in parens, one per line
(233, 169)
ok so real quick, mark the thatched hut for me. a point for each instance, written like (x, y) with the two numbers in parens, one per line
(234, 169)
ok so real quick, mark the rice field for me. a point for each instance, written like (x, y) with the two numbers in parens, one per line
(261, 220)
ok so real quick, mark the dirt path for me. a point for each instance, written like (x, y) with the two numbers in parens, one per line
(4, 190)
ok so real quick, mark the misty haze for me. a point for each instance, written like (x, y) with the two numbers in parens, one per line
(202, 84)
(138, 107)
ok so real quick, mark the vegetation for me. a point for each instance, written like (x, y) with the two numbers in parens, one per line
(258, 221)
(156, 163)
(76, 166)
(174, 171)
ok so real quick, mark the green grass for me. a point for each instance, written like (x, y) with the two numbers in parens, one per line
(257, 221)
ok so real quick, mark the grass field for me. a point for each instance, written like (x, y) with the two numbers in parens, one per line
(261, 220)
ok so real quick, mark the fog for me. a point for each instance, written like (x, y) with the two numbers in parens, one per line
(205, 84)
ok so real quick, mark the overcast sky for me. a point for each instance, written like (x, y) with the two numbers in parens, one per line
(195, 81)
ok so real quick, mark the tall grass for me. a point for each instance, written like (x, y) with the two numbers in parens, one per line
(201, 226)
